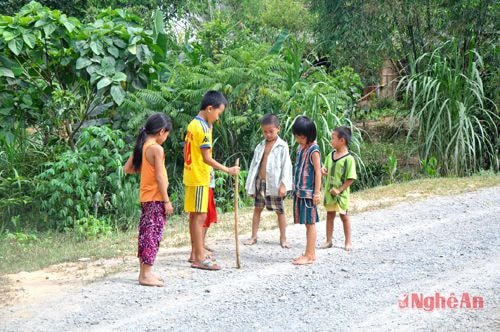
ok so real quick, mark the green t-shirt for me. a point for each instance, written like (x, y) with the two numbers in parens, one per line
(339, 171)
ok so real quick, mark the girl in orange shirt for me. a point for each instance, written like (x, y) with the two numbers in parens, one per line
(148, 160)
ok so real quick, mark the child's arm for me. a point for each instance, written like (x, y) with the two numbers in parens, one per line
(317, 177)
(286, 174)
(344, 186)
(207, 159)
(128, 168)
(158, 160)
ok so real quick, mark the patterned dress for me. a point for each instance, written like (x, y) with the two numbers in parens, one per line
(304, 211)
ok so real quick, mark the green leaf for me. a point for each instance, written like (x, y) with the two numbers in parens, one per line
(119, 43)
(49, 28)
(119, 77)
(6, 72)
(143, 53)
(159, 26)
(69, 26)
(104, 82)
(8, 35)
(96, 47)
(117, 93)
(113, 51)
(132, 49)
(108, 65)
(279, 42)
(40, 23)
(16, 46)
(29, 39)
(83, 62)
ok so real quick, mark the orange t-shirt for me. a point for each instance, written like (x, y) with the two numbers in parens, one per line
(149, 190)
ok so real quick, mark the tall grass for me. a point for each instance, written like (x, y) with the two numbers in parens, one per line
(450, 115)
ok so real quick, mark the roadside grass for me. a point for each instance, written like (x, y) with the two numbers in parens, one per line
(39, 250)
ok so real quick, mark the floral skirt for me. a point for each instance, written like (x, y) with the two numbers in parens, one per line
(151, 226)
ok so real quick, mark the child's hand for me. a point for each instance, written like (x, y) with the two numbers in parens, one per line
(334, 191)
(169, 209)
(316, 199)
(324, 171)
(233, 170)
(282, 191)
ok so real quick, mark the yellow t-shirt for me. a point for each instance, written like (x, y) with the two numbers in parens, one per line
(198, 136)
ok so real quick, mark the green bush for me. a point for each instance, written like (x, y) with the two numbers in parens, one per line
(85, 182)
(91, 228)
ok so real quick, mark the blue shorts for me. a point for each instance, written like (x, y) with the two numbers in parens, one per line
(304, 211)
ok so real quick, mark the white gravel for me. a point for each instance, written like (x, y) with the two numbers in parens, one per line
(446, 245)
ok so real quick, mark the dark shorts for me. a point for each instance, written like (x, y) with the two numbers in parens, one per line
(272, 203)
(304, 211)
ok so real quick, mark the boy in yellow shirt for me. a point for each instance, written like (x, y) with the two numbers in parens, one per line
(196, 178)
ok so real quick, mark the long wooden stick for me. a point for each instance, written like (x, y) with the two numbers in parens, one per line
(236, 195)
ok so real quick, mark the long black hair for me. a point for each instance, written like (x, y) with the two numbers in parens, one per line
(154, 124)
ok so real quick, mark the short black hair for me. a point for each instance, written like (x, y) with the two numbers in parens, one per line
(344, 132)
(270, 119)
(303, 126)
(214, 99)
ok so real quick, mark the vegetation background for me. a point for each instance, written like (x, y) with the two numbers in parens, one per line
(78, 78)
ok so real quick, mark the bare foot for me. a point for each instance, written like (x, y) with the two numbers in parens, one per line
(348, 246)
(157, 277)
(250, 242)
(150, 281)
(326, 245)
(285, 245)
(303, 260)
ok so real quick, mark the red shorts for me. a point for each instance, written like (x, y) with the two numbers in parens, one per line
(212, 210)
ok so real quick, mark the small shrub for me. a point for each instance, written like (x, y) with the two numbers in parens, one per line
(91, 228)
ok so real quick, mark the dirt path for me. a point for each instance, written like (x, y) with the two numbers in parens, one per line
(448, 245)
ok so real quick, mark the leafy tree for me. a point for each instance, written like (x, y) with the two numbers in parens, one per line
(360, 33)
(450, 113)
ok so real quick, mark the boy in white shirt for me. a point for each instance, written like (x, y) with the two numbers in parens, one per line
(270, 177)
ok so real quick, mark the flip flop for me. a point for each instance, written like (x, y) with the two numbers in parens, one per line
(210, 257)
(206, 264)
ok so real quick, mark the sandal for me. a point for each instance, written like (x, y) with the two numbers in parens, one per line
(207, 257)
(206, 264)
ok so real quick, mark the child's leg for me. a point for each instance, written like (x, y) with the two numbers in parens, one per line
(255, 226)
(310, 255)
(196, 232)
(330, 217)
(146, 277)
(282, 227)
(150, 234)
(208, 251)
(346, 221)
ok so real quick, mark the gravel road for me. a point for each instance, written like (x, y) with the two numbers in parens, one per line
(447, 245)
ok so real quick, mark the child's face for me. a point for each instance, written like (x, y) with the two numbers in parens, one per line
(336, 141)
(301, 140)
(214, 113)
(163, 136)
(270, 132)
